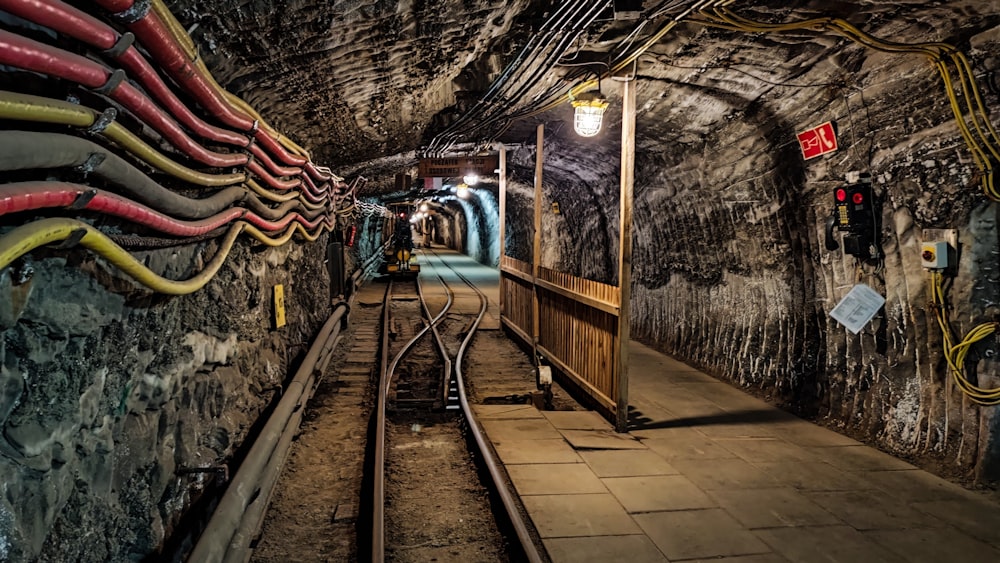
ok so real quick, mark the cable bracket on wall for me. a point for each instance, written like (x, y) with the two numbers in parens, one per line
(125, 41)
(83, 199)
(114, 81)
(72, 240)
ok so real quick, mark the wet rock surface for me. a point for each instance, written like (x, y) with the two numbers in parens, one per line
(108, 394)
(119, 408)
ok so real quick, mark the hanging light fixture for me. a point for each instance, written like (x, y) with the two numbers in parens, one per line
(588, 113)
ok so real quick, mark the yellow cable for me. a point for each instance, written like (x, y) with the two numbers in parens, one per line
(955, 354)
(24, 107)
(287, 235)
(28, 237)
(981, 138)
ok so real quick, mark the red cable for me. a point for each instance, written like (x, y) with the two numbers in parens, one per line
(74, 23)
(28, 196)
(275, 183)
(164, 49)
(24, 53)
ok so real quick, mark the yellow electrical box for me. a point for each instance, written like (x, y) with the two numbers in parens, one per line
(279, 306)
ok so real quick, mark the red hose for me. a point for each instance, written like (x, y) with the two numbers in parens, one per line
(72, 22)
(275, 183)
(161, 45)
(269, 163)
(28, 196)
(30, 55)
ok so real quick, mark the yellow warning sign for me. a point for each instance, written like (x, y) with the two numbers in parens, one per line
(279, 306)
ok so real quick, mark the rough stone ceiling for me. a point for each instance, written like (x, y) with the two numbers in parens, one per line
(359, 82)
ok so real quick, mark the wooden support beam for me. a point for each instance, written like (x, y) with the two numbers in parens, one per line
(503, 216)
(625, 252)
(536, 254)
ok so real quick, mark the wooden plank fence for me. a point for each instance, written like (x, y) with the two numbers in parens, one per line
(578, 321)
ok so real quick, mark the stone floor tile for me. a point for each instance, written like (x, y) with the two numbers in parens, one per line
(536, 451)
(520, 429)
(859, 458)
(833, 544)
(602, 549)
(577, 420)
(561, 516)
(502, 412)
(691, 534)
(657, 492)
(978, 518)
(724, 474)
(773, 508)
(601, 440)
(765, 449)
(814, 476)
(760, 558)
(684, 443)
(934, 546)
(804, 433)
(555, 479)
(915, 485)
(626, 463)
(872, 510)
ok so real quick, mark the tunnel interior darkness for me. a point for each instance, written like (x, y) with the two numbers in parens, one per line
(166, 167)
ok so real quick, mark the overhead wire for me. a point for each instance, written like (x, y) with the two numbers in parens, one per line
(980, 137)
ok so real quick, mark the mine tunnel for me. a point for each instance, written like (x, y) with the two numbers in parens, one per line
(566, 280)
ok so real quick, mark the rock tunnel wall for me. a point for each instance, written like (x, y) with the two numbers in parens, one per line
(730, 269)
(111, 397)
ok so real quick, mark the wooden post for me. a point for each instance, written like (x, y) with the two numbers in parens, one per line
(503, 218)
(625, 252)
(536, 254)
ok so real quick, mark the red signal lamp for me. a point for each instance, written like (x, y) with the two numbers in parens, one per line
(858, 198)
(841, 194)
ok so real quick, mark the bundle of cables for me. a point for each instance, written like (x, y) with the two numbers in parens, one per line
(139, 155)
(955, 354)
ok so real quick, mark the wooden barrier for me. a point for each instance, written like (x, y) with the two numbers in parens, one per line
(578, 321)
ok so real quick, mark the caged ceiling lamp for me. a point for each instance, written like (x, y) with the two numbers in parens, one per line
(588, 113)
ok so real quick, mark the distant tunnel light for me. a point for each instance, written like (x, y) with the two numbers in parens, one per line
(589, 113)
(471, 179)
(462, 191)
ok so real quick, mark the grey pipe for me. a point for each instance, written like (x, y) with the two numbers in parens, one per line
(222, 534)
(25, 150)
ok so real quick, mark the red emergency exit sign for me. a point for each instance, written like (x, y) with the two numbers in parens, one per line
(817, 141)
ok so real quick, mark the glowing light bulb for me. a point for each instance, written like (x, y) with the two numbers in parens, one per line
(588, 113)
(471, 179)
(424, 208)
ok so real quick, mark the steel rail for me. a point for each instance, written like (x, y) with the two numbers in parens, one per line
(385, 382)
(499, 479)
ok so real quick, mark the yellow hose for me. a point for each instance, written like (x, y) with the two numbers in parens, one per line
(955, 353)
(287, 235)
(28, 237)
(25, 107)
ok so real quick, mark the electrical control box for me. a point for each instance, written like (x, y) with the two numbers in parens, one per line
(857, 214)
(934, 255)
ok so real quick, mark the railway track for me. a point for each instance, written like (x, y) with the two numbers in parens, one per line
(428, 452)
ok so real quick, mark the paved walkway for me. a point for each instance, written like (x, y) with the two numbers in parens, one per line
(709, 472)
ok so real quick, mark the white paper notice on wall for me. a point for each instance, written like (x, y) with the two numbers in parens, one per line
(858, 307)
